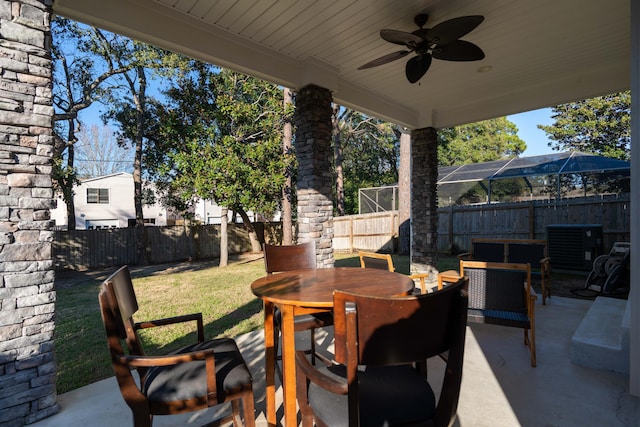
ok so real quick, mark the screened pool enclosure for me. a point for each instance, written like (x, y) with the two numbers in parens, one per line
(547, 177)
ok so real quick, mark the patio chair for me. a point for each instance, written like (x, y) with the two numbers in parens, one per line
(192, 378)
(377, 343)
(287, 258)
(501, 294)
(385, 262)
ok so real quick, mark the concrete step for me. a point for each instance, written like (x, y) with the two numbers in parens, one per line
(602, 339)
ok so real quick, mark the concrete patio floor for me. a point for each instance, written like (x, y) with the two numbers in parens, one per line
(499, 387)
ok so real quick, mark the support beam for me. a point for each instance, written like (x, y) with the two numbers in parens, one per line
(424, 202)
(27, 293)
(315, 179)
(634, 296)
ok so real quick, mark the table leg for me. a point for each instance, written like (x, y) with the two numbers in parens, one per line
(289, 366)
(269, 360)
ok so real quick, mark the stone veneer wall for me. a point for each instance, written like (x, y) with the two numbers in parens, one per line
(424, 201)
(27, 294)
(315, 179)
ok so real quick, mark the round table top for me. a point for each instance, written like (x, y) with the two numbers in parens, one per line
(314, 287)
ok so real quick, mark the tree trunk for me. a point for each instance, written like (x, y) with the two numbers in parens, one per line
(404, 195)
(139, 100)
(67, 191)
(338, 157)
(287, 190)
(253, 236)
(67, 180)
(224, 237)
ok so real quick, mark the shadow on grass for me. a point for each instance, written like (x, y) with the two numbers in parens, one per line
(214, 329)
(68, 278)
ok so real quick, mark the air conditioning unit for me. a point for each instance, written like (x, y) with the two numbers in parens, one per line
(575, 246)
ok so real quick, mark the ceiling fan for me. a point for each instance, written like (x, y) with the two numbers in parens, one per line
(440, 42)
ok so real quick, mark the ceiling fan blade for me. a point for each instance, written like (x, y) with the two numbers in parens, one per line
(400, 37)
(385, 59)
(417, 67)
(458, 50)
(451, 30)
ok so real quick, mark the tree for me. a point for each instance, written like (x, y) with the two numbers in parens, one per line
(79, 81)
(221, 140)
(479, 142)
(367, 150)
(129, 107)
(338, 123)
(99, 154)
(600, 125)
(287, 152)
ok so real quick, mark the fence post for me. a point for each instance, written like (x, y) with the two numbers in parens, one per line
(350, 235)
(451, 230)
(532, 221)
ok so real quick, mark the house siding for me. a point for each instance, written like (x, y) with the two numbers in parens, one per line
(116, 213)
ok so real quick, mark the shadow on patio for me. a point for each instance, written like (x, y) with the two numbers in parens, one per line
(499, 386)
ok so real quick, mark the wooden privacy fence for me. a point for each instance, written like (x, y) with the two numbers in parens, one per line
(87, 249)
(457, 225)
(374, 231)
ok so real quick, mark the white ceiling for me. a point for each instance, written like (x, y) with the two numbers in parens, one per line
(541, 53)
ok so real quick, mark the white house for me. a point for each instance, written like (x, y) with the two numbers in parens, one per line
(107, 202)
(207, 212)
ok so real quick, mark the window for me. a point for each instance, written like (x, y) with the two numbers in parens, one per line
(98, 195)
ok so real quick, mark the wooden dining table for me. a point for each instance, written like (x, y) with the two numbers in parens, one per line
(310, 291)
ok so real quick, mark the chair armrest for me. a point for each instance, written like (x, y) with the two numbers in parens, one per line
(545, 266)
(465, 256)
(531, 294)
(136, 361)
(329, 383)
(530, 300)
(194, 317)
(421, 277)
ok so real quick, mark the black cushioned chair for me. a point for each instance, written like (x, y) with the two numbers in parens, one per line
(377, 343)
(501, 294)
(287, 258)
(201, 375)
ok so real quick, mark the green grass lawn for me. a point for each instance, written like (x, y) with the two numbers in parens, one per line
(222, 295)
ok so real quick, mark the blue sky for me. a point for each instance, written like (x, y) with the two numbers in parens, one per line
(528, 131)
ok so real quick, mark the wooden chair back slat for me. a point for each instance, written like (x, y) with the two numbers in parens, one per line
(289, 257)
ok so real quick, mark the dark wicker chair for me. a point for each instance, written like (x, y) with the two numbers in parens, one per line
(385, 262)
(501, 294)
(288, 258)
(377, 343)
(518, 251)
(192, 378)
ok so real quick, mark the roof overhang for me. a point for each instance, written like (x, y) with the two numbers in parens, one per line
(538, 54)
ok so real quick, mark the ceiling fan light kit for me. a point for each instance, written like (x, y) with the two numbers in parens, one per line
(440, 42)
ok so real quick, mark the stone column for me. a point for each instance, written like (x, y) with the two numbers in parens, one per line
(27, 295)
(424, 202)
(315, 177)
